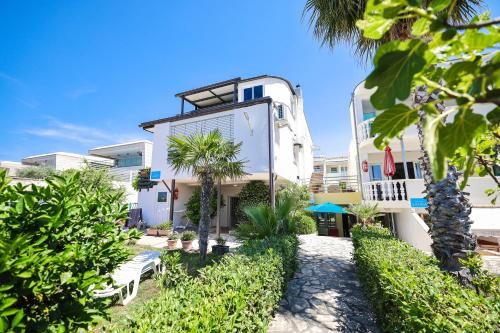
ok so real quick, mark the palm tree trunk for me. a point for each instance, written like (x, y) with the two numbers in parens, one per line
(207, 185)
(450, 229)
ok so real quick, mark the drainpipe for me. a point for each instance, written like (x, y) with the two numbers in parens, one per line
(171, 213)
(218, 208)
(358, 166)
(403, 155)
(270, 127)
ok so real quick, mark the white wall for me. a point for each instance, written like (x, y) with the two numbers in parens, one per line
(413, 230)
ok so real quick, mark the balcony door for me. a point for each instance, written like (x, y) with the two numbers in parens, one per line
(400, 172)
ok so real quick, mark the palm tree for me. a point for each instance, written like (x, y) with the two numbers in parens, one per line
(365, 212)
(209, 158)
(334, 22)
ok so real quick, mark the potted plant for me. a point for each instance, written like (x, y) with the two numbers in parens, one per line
(151, 231)
(172, 240)
(187, 238)
(221, 248)
(165, 228)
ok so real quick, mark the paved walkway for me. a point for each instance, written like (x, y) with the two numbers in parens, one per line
(325, 294)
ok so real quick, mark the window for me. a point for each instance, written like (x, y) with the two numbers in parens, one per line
(375, 172)
(368, 109)
(317, 168)
(128, 161)
(281, 112)
(253, 93)
(334, 170)
(418, 170)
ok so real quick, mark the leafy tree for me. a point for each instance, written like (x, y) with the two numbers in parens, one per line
(449, 62)
(253, 193)
(299, 194)
(36, 172)
(365, 212)
(96, 179)
(193, 205)
(209, 158)
(58, 243)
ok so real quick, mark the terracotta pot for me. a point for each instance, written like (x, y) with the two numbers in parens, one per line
(163, 232)
(172, 244)
(152, 232)
(187, 245)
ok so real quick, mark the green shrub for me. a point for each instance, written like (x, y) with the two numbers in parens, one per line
(57, 244)
(173, 236)
(254, 193)
(193, 205)
(410, 293)
(304, 224)
(265, 221)
(237, 294)
(188, 236)
(299, 194)
(36, 172)
(174, 272)
(167, 225)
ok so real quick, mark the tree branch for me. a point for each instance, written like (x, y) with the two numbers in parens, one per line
(473, 25)
(488, 170)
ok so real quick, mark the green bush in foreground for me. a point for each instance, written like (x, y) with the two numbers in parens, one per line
(57, 244)
(410, 293)
(238, 294)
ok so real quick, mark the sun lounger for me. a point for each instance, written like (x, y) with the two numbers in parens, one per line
(131, 272)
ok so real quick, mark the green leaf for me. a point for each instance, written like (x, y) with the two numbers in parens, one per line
(394, 72)
(6, 302)
(392, 122)
(25, 274)
(374, 27)
(421, 27)
(65, 277)
(494, 116)
(17, 318)
(439, 5)
(460, 132)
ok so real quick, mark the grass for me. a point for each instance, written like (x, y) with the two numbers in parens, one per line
(148, 288)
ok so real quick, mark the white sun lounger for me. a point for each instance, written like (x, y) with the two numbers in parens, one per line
(131, 272)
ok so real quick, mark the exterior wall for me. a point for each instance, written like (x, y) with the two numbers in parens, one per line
(413, 230)
(344, 198)
(11, 167)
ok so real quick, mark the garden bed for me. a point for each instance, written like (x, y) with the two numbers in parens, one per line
(240, 293)
(410, 293)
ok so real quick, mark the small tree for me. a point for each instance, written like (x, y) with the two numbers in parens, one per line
(253, 193)
(365, 212)
(299, 194)
(193, 205)
(209, 158)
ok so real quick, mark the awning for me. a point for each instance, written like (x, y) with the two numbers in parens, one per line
(326, 207)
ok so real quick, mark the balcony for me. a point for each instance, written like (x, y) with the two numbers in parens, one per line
(364, 130)
(331, 184)
(397, 193)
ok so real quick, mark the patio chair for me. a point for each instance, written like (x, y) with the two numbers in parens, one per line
(131, 272)
(134, 218)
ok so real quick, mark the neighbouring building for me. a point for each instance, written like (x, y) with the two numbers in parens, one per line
(401, 197)
(11, 167)
(61, 161)
(265, 113)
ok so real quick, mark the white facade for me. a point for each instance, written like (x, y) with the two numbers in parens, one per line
(239, 119)
(61, 161)
(11, 167)
(393, 195)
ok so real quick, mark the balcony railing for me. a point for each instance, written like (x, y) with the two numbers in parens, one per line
(386, 190)
(364, 130)
(330, 184)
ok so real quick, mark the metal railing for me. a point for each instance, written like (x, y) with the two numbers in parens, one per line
(330, 184)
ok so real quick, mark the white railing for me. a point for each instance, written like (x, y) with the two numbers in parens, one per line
(386, 190)
(364, 130)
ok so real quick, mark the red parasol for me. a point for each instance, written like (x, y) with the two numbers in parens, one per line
(389, 166)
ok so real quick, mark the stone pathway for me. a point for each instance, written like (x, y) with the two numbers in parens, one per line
(325, 294)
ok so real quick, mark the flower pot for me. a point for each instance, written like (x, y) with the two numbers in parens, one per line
(152, 232)
(187, 245)
(163, 232)
(220, 249)
(172, 244)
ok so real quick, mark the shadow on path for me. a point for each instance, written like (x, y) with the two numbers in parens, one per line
(325, 294)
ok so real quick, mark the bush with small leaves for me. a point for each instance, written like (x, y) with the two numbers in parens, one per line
(58, 244)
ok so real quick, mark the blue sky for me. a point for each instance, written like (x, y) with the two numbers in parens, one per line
(75, 75)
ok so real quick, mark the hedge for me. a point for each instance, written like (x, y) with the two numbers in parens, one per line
(238, 294)
(409, 292)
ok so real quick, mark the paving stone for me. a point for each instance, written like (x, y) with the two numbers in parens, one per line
(325, 294)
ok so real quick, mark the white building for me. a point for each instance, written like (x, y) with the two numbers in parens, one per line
(61, 161)
(11, 167)
(395, 196)
(331, 175)
(265, 113)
